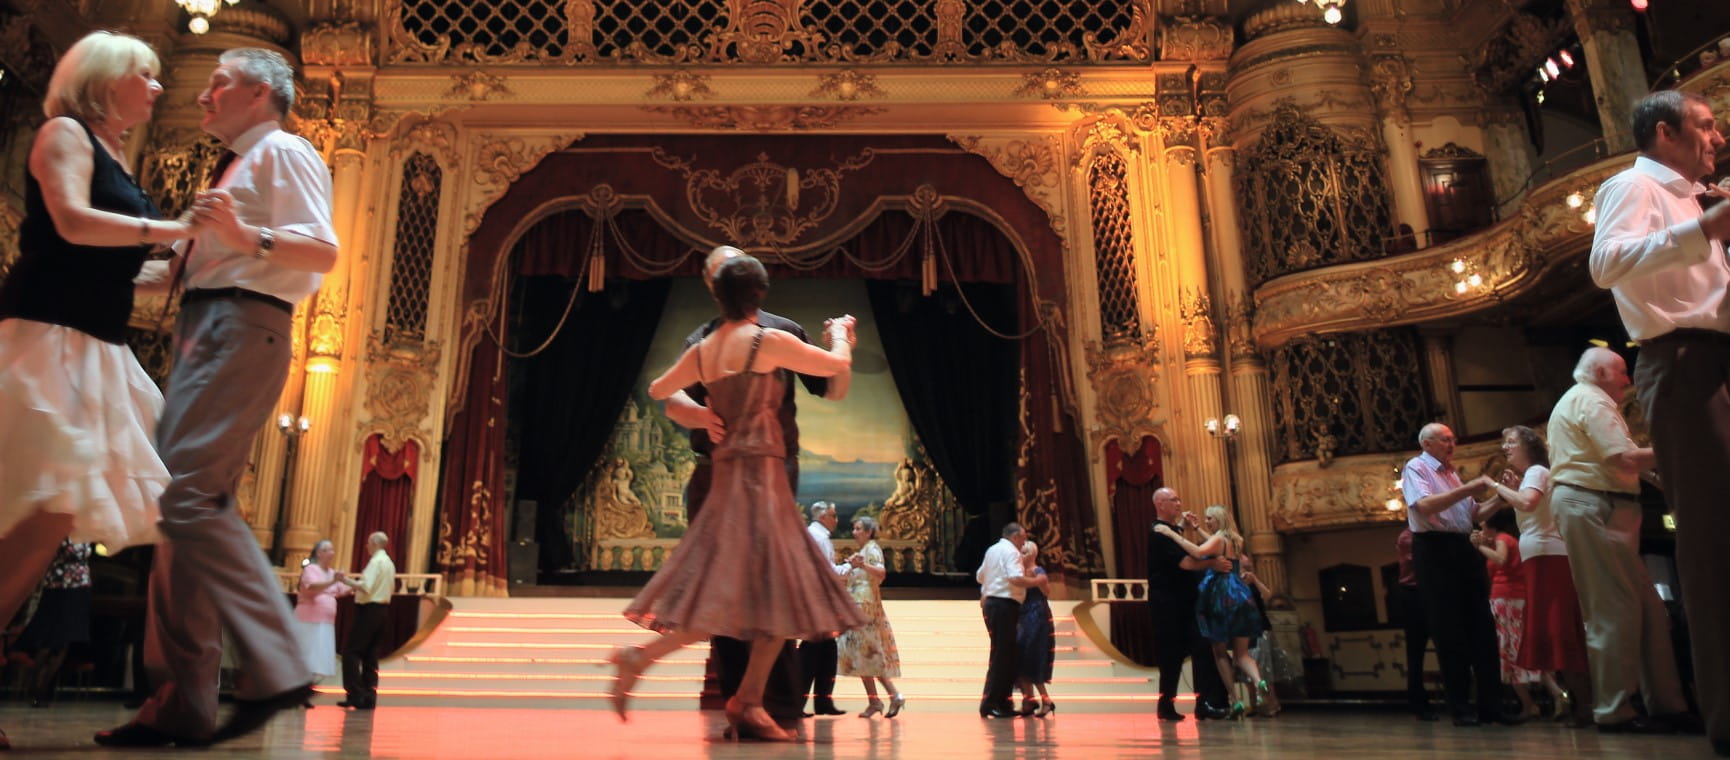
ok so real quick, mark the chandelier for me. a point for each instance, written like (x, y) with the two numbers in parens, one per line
(1333, 11)
(201, 11)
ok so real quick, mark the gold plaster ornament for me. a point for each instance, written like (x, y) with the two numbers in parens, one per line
(680, 86)
(477, 86)
(784, 118)
(399, 387)
(847, 84)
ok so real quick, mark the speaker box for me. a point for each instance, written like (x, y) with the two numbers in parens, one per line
(523, 562)
(523, 520)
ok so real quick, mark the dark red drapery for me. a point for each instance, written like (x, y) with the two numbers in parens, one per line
(386, 496)
(1133, 478)
(471, 522)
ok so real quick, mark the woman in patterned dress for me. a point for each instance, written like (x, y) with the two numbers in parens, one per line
(869, 651)
(1501, 549)
(1225, 611)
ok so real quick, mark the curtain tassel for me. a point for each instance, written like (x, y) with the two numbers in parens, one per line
(597, 272)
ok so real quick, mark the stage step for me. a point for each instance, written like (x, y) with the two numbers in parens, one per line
(552, 652)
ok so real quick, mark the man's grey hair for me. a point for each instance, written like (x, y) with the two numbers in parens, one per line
(379, 538)
(266, 67)
(868, 523)
(1429, 432)
(821, 509)
(1011, 529)
(1661, 107)
(1592, 362)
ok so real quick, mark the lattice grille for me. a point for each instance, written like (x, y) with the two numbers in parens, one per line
(1310, 198)
(1348, 393)
(174, 173)
(1113, 247)
(768, 31)
(155, 351)
(411, 268)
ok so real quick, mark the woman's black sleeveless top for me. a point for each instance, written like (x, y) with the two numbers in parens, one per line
(87, 288)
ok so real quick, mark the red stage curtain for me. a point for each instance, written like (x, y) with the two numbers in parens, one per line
(1133, 480)
(386, 498)
(471, 522)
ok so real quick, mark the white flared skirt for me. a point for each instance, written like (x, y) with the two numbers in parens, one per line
(317, 647)
(77, 426)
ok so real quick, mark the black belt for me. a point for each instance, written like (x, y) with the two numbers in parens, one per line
(208, 294)
(1611, 495)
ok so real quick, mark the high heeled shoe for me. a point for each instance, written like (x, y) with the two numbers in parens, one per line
(1261, 690)
(1028, 705)
(876, 708)
(750, 721)
(1564, 707)
(629, 662)
(895, 704)
(1237, 711)
(1045, 709)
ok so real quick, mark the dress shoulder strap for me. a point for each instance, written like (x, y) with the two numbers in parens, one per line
(756, 343)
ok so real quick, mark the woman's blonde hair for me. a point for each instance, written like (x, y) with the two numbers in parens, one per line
(83, 79)
(1226, 527)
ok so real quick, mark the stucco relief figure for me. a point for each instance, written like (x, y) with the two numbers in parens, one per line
(618, 511)
(907, 512)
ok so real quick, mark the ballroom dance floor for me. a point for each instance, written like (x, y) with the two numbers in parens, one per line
(513, 732)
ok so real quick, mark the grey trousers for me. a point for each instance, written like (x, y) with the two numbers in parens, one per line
(231, 360)
(1627, 630)
(1683, 380)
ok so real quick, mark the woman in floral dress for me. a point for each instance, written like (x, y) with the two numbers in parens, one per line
(869, 650)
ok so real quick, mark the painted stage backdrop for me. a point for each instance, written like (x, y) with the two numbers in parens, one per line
(860, 453)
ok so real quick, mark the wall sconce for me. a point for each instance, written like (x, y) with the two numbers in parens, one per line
(1226, 429)
(291, 428)
(1397, 495)
(1333, 11)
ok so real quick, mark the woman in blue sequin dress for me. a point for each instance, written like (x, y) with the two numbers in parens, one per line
(1225, 612)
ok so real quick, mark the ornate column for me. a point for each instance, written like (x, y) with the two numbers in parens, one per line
(1606, 32)
(1201, 455)
(1510, 154)
(1249, 394)
(1391, 82)
(1444, 386)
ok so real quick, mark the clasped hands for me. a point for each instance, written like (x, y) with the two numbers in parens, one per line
(844, 325)
(214, 210)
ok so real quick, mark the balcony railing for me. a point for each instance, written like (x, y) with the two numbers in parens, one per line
(760, 32)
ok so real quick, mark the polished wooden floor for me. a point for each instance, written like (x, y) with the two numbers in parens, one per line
(500, 732)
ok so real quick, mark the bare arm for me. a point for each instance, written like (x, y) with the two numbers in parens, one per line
(681, 375)
(62, 161)
(1494, 551)
(289, 250)
(1205, 550)
(1635, 460)
(1436, 503)
(783, 349)
(840, 382)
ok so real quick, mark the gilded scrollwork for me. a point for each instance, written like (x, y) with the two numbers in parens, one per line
(1200, 340)
(1050, 84)
(1189, 38)
(499, 160)
(1511, 257)
(337, 44)
(1239, 327)
(399, 389)
(1391, 83)
(848, 84)
(1032, 163)
(680, 86)
(326, 327)
(763, 203)
(773, 118)
(477, 85)
(1125, 380)
(435, 137)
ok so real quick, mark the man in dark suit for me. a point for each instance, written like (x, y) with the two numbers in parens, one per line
(1173, 580)
(688, 408)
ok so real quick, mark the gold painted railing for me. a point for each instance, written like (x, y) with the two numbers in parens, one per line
(1510, 257)
(751, 32)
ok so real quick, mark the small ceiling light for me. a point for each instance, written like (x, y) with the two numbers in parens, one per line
(1567, 59)
(1550, 66)
(1576, 200)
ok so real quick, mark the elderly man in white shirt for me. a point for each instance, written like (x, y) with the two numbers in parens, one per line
(1664, 260)
(817, 657)
(1003, 583)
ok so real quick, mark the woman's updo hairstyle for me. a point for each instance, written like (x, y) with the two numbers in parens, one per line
(741, 283)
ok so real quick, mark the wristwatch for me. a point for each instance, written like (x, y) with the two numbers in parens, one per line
(266, 241)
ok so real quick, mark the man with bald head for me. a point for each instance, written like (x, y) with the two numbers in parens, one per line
(689, 410)
(371, 610)
(1452, 581)
(1596, 468)
(1663, 258)
(1173, 584)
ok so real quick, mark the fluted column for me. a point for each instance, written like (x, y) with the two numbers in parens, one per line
(1391, 81)
(1250, 396)
(1203, 457)
(1606, 32)
(318, 484)
(1510, 154)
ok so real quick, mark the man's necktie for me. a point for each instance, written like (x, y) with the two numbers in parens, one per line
(217, 173)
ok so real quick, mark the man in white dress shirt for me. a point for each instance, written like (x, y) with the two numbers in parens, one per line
(371, 611)
(817, 657)
(1003, 585)
(265, 240)
(1663, 259)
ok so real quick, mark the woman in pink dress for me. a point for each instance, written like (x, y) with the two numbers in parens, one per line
(315, 611)
(746, 568)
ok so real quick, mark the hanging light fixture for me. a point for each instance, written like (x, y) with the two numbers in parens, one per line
(1333, 11)
(201, 11)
